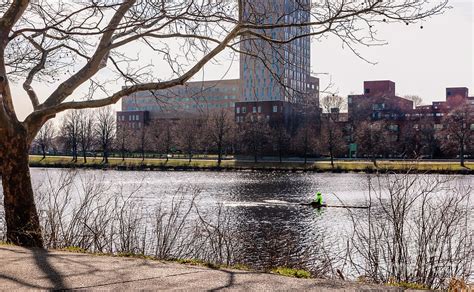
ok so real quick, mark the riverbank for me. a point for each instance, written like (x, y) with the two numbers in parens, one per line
(340, 166)
(25, 269)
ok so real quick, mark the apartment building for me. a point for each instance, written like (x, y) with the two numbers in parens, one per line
(190, 99)
(276, 76)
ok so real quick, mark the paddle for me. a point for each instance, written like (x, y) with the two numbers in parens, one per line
(314, 205)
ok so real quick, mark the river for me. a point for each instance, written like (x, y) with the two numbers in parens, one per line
(265, 205)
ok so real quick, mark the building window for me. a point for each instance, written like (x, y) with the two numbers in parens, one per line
(254, 109)
(367, 90)
(378, 106)
(237, 110)
(244, 110)
(393, 128)
(275, 108)
(259, 109)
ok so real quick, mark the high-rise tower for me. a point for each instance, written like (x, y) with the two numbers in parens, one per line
(276, 71)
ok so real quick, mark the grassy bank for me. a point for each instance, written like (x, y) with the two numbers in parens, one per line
(448, 167)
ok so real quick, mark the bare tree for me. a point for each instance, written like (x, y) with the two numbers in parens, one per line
(144, 139)
(280, 139)
(372, 138)
(105, 131)
(70, 131)
(123, 140)
(254, 135)
(189, 132)
(304, 140)
(45, 137)
(331, 132)
(69, 43)
(86, 133)
(419, 138)
(164, 133)
(219, 128)
(458, 132)
(417, 101)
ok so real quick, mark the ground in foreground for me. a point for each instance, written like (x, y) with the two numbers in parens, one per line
(23, 269)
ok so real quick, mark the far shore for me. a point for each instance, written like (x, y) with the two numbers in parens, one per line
(340, 166)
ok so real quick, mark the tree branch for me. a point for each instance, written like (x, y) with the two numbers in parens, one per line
(95, 63)
(135, 88)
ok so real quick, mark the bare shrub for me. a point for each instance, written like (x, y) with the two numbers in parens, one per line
(416, 231)
(173, 229)
(81, 210)
(74, 211)
(220, 234)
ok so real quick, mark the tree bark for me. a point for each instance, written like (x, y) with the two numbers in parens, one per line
(219, 152)
(43, 149)
(105, 159)
(22, 220)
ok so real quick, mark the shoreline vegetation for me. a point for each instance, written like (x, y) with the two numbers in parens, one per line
(340, 166)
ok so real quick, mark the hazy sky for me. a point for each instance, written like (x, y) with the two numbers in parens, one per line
(421, 61)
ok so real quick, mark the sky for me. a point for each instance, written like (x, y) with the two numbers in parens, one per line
(422, 62)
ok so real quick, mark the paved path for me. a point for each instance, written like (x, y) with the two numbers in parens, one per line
(22, 269)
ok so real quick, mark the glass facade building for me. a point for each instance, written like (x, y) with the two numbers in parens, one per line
(276, 70)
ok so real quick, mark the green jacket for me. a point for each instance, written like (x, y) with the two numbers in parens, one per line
(318, 199)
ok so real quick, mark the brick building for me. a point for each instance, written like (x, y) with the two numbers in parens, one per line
(378, 102)
(432, 115)
(279, 111)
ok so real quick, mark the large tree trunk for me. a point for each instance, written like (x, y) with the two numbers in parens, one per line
(22, 220)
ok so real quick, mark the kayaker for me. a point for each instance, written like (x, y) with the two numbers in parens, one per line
(318, 199)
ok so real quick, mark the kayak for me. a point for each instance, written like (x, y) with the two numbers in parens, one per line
(318, 206)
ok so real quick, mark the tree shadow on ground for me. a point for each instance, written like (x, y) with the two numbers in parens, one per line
(41, 258)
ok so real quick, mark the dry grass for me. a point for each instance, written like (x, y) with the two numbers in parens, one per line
(339, 166)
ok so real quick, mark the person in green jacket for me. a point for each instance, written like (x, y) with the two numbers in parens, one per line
(318, 199)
